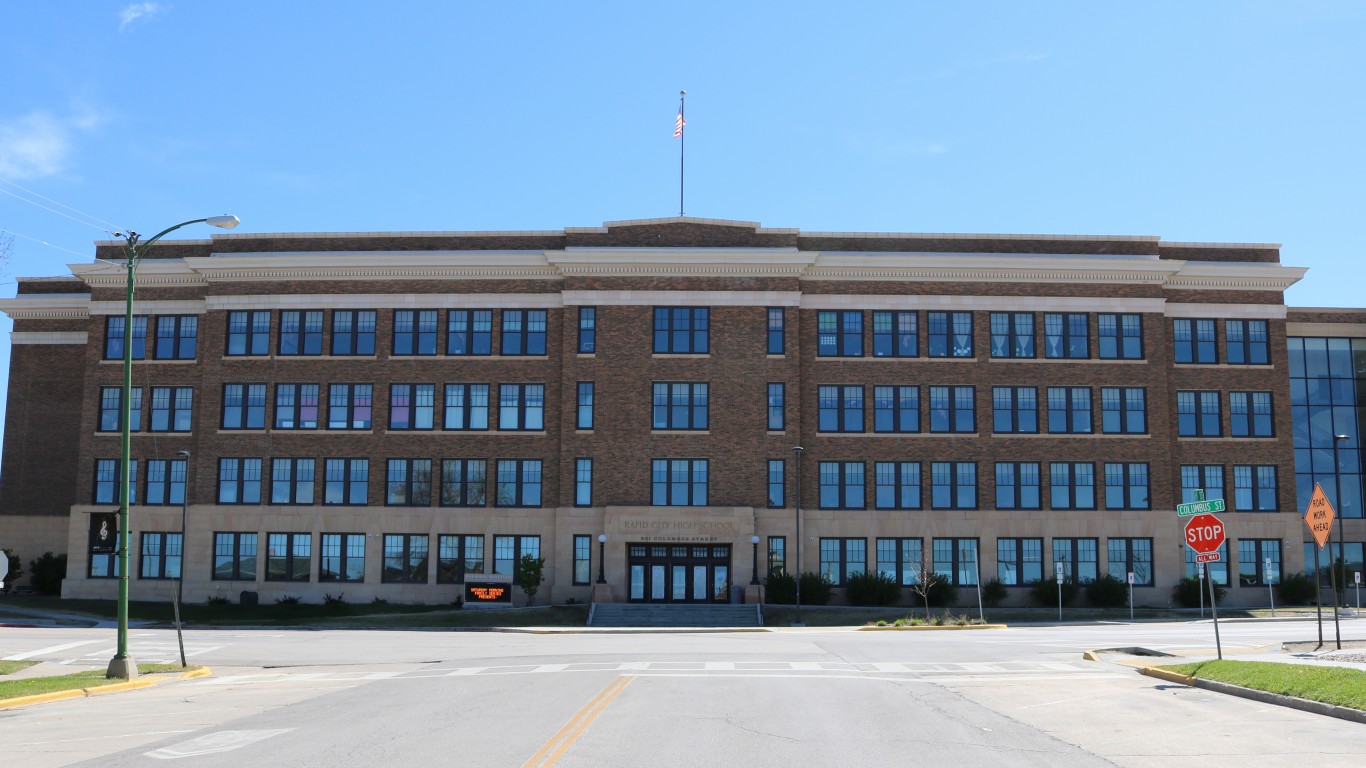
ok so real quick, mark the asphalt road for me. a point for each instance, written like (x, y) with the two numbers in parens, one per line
(813, 697)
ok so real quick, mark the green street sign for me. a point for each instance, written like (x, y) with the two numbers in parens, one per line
(1199, 507)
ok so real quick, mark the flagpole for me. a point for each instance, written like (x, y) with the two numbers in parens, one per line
(681, 139)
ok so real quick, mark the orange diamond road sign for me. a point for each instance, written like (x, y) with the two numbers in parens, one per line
(1319, 517)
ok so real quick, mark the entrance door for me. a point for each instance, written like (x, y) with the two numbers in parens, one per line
(679, 573)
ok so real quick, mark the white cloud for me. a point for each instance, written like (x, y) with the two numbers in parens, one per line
(137, 11)
(39, 144)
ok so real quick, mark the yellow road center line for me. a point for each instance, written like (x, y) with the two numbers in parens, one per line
(577, 724)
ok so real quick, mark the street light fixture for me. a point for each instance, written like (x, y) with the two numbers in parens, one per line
(797, 450)
(602, 549)
(754, 543)
(122, 665)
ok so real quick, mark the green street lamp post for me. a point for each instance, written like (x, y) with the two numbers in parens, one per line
(122, 665)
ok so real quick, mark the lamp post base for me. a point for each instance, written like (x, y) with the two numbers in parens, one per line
(123, 668)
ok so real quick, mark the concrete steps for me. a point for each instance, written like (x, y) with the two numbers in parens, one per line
(679, 615)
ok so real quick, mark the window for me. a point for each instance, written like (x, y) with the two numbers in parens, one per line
(1194, 341)
(1250, 414)
(342, 557)
(165, 482)
(107, 478)
(1197, 414)
(1123, 410)
(678, 482)
(234, 557)
(583, 482)
(244, 406)
(1246, 341)
(839, 334)
(296, 406)
(111, 409)
(288, 556)
(896, 408)
(1012, 334)
(176, 337)
(842, 485)
(1254, 488)
(457, 556)
(1121, 336)
(521, 407)
(896, 334)
(682, 330)
(777, 483)
(775, 330)
(291, 481)
(1019, 561)
(777, 554)
(777, 406)
(1126, 486)
(1201, 477)
(680, 405)
(588, 330)
(1017, 485)
(239, 481)
(415, 331)
(523, 332)
(583, 559)
(1217, 570)
(1134, 556)
(1015, 410)
(840, 408)
(584, 415)
(346, 482)
(301, 333)
(405, 559)
(842, 558)
(950, 334)
(1079, 559)
(114, 329)
(349, 406)
(412, 406)
(1259, 562)
(953, 409)
(464, 482)
(896, 484)
(172, 409)
(159, 556)
(519, 483)
(469, 332)
(248, 333)
(467, 406)
(353, 332)
(509, 550)
(900, 559)
(953, 485)
(1072, 485)
(409, 483)
(956, 560)
(1069, 410)
(1066, 336)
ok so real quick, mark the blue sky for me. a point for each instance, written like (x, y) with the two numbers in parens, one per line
(1210, 121)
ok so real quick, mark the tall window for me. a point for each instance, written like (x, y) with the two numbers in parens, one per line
(678, 482)
(1079, 558)
(896, 484)
(239, 481)
(458, 555)
(342, 557)
(953, 485)
(1015, 410)
(776, 322)
(1201, 477)
(777, 483)
(588, 330)
(840, 408)
(296, 406)
(583, 418)
(172, 409)
(1323, 396)
(107, 478)
(950, 334)
(1126, 486)
(160, 556)
(842, 558)
(839, 334)
(464, 482)
(523, 332)
(682, 330)
(288, 556)
(409, 483)
(521, 407)
(1250, 414)
(165, 482)
(405, 559)
(1123, 410)
(467, 406)
(777, 554)
(1246, 341)
(842, 485)
(1066, 335)
(777, 401)
(583, 559)
(234, 557)
(956, 560)
(301, 333)
(353, 332)
(1069, 410)
(244, 406)
(292, 480)
(1019, 561)
(415, 331)
(412, 406)
(1134, 556)
(519, 483)
(1072, 485)
(1120, 337)
(347, 482)
(1254, 557)
(680, 405)
(1254, 488)
(896, 334)
(248, 333)
(953, 409)
(1017, 485)
(1194, 341)
(111, 410)
(1012, 334)
(114, 326)
(349, 406)
(896, 408)
(583, 482)
(900, 559)
(1197, 414)
(469, 332)
(176, 337)
(509, 550)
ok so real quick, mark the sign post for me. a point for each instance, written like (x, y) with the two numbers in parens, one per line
(1058, 574)
(4, 571)
(1319, 517)
(1358, 580)
(1266, 569)
(1131, 595)
(1200, 578)
(1205, 535)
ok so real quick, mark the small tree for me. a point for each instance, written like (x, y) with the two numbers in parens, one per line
(932, 588)
(47, 573)
(530, 572)
(780, 588)
(1106, 591)
(1295, 589)
(816, 588)
(1045, 591)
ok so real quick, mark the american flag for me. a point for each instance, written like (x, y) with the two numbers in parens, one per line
(679, 122)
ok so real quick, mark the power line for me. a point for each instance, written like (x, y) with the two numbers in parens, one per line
(44, 242)
(64, 205)
(53, 210)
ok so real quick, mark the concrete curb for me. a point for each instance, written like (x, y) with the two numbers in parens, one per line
(100, 690)
(929, 627)
(1303, 705)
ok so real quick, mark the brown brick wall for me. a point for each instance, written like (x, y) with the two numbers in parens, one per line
(42, 440)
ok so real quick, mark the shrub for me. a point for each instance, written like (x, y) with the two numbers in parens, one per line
(994, 593)
(47, 573)
(529, 574)
(1106, 591)
(331, 599)
(1296, 589)
(816, 589)
(1045, 591)
(217, 600)
(1187, 592)
(942, 592)
(287, 600)
(780, 588)
(872, 588)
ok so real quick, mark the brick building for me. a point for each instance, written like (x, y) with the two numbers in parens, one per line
(403, 415)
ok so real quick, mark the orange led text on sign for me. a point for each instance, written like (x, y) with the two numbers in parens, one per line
(487, 593)
(1319, 516)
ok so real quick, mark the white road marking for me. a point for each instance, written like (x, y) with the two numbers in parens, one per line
(213, 743)
(51, 649)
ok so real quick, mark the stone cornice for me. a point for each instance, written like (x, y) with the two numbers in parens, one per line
(375, 265)
(47, 306)
(1235, 276)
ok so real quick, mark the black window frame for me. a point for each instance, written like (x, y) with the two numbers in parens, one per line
(1008, 340)
(1010, 397)
(697, 492)
(287, 414)
(340, 573)
(588, 331)
(776, 333)
(1012, 551)
(1123, 341)
(947, 328)
(235, 474)
(113, 337)
(235, 556)
(469, 332)
(349, 335)
(350, 405)
(777, 406)
(467, 409)
(582, 573)
(177, 413)
(1071, 558)
(522, 341)
(1127, 487)
(404, 484)
(1194, 348)
(844, 410)
(292, 570)
(1070, 414)
(162, 482)
(307, 338)
(1073, 343)
(1261, 495)
(1208, 478)
(893, 411)
(520, 483)
(415, 562)
(1015, 482)
(956, 469)
(896, 341)
(839, 476)
(696, 409)
(585, 393)
(839, 333)
(415, 332)
(114, 410)
(776, 473)
(665, 336)
(1251, 421)
(163, 554)
(244, 409)
(526, 416)
(411, 394)
(1193, 416)
(903, 494)
(1067, 477)
(957, 573)
(1130, 564)
(464, 483)
(1124, 411)
(452, 570)
(184, 330)
(583, 481)
(1244, 348)
(244, 329)
(845, 562)
(288, 473)
(950, 409)
(353, 494)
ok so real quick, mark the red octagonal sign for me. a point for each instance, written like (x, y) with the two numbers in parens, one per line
(1204, 533)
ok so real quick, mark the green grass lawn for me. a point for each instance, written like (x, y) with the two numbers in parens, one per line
(95, 678)
(7, 667)
(1331, 685)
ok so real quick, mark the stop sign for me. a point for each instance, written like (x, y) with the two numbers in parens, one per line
(1204, 533)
